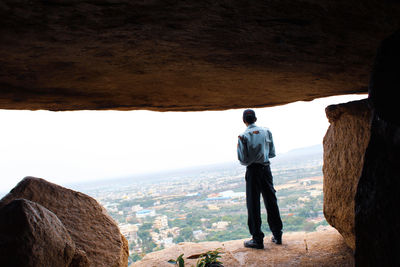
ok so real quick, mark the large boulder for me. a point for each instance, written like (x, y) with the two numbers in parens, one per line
(377, 218)
(90, 227)
(33, 236)
(345, 143)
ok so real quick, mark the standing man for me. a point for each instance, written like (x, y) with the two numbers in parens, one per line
(255, 147)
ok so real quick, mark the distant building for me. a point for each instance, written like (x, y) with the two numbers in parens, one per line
(129, 231)
(221, 225)
(145, 213)
(199, 235)
(161, 222)
(304, 199)
(136, 208)
(231, 194)
(168, 242)
(111, 207)
(156, 237)
(181, 217)
(315, 193)
(217, 198)
(212, 207)
(225, 195)
(174, 231)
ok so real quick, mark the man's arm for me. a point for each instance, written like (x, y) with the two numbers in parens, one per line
(242, 152)
(271, 146)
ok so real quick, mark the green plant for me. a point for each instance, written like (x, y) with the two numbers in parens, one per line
(209, 259)
(179, 261)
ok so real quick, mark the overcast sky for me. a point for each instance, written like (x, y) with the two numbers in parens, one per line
(68, 147)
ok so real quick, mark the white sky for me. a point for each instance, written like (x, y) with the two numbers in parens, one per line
(68, 147)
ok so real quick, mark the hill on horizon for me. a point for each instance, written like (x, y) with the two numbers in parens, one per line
(296, 156)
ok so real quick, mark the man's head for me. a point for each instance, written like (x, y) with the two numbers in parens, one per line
(249, 116)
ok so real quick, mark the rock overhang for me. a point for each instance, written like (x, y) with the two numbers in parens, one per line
(186, 55)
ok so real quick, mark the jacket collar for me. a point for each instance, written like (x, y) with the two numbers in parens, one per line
(251, 126)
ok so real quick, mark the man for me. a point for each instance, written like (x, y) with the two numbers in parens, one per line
(255, 148)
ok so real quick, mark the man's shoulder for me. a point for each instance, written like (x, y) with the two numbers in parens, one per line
(255, 128)
(261, 128)
(266, 129)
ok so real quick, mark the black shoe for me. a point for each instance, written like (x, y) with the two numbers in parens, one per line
(277, 239)
(253, 244)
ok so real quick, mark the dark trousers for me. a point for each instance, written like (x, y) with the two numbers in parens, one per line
(259, 181)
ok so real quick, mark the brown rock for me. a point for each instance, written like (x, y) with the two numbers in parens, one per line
(90, 227)
(325, 248)
(378, 197)
(80, 259)
(33, 236)
(186, 55)
(344, 144)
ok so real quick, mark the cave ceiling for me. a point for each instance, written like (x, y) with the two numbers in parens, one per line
(186, 55)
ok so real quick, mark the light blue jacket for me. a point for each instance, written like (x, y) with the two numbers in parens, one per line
(255, 145)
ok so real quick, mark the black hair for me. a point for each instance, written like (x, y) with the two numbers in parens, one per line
(250, 119)
(249, 116)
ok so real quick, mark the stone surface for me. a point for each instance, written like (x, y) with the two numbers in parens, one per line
(377, 200)
(325, 248)
(186, 55)
(90, 227)
(344, 145)
(33, 236)
(80, 259)
(384, 84)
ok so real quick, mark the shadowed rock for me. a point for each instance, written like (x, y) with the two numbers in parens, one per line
(344, 143)
(80, 259)
(186, 55)
(90, 227)
(378, 194)
(384, 84)
(32, 236)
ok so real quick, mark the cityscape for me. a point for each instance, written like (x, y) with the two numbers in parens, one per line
(209, 203)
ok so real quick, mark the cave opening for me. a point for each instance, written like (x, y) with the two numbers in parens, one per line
(100, 153)
(80, 143)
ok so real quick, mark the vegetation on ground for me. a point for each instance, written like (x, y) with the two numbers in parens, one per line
(207, 259)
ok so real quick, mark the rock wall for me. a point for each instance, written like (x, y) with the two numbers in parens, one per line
(186, 55)
(377, 200)
(95, 234)
(344, 145)
(361, 165)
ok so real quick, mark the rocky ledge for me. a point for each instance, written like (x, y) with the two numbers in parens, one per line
(323, 248)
